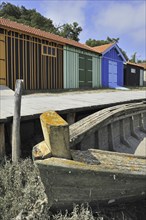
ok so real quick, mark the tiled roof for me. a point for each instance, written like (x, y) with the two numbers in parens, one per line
(39, 33)
(103, 48)
(135, 64)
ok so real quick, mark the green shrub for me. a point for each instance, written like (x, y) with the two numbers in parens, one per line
(20, 188)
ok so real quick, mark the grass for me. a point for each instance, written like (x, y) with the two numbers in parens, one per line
(22, 196)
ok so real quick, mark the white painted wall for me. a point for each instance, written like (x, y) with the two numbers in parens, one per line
(141, 78)
(144, 78)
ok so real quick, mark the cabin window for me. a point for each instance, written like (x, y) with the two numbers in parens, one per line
(133, 70)
(49, 50)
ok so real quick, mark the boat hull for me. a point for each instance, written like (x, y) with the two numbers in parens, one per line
(95, 181)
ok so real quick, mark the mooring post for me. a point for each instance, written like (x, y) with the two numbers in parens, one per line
(16, 121)
(56, 134)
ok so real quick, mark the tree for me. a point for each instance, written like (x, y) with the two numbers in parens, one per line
(141, 61)
(70, 31)
(124, 54)
(92, 42)
(133, 58)
(113, 40)
(34, 19)
(26, 16)
(10, 11)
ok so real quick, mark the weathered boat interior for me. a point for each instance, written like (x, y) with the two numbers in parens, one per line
(72, 172)
(119, 128)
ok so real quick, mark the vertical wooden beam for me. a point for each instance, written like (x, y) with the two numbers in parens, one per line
(2, 141)
(59, 72)
(41, 66)
(37, 63)
(23, 60)
(19, 58)
(30, 64)
(52, 79)
(35, 72)
(14, 58)
(42, 72)
(7, 59)
(32, 54)
(56, 75)
(61, 65)
(3, 77)
(26, 67)
(34, 69)
(16, 122)
(32, 77)
(45, 73)
(56, 69)
(12, 67)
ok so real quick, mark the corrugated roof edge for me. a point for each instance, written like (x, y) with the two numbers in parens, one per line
(143, 65)
(40, 33)
(135, 64)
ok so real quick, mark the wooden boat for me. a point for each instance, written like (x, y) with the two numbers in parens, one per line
(119, 128)
(95, 176)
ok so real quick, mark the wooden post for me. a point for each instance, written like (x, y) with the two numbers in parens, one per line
(16, 122)
(56, 134)
(2, 141)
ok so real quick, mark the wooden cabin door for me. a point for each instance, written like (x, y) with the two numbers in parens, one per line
(112, 82)
(85, 71)
(2, 60)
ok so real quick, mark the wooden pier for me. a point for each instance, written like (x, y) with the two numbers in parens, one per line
(35, 104)
(71, 105)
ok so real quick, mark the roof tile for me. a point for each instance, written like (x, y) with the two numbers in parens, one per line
(37, 32)
(103, 48)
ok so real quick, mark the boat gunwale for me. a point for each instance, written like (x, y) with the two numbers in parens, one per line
(97, 168)
(104, 117)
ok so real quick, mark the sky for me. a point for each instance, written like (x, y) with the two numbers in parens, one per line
(124, 19)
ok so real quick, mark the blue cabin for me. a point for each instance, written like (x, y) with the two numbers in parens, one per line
(112, 67)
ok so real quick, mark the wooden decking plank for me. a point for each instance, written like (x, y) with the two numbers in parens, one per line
(38, 103)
